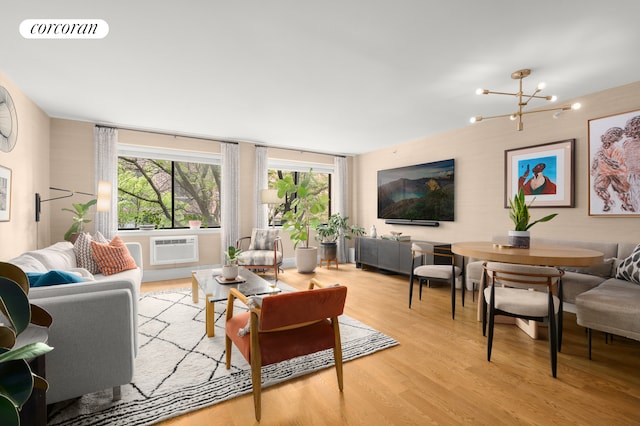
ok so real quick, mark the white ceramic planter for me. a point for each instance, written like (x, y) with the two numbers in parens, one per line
(519, 239)
(306, 259)
(230, 272)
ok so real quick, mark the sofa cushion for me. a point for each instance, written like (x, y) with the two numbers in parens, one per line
(603, 269)
(113, 257)
(57, 256)
(612, 307)
(28, 263)
(82, 249)
(629, 269)
(53, 277)
(262, 239)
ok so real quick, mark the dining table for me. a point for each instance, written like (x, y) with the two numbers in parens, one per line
(541, 254)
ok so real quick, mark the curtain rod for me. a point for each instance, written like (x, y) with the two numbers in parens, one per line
(158, 132)
(301, 150)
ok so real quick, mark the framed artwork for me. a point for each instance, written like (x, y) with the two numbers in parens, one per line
(614, 165)
(5, 194)
(545, 172)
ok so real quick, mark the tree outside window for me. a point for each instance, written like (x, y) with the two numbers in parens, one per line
(167, 193)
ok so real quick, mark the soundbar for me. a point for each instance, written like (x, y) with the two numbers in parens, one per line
(411, 222)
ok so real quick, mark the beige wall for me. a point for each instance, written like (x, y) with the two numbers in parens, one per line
(54, 152)
(478, 151)
(29, 163)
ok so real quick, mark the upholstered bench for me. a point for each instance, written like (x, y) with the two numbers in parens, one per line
(612, 307)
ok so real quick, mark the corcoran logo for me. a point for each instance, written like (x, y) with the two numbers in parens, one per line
(64, 28)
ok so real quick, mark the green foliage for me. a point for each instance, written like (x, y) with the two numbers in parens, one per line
(80, 210)
(232, 254)
(16, 379)
(337, 226)
(519, 213)
(305, 205)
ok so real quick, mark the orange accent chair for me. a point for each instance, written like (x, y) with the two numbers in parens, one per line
(286, 326)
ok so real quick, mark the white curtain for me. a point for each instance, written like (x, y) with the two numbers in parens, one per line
(229, 196)
(339, 199)
(262, 219)
(106, 169)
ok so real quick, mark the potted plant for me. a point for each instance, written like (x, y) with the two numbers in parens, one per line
(194, 220)
(230, 268)
(17, 381)
(301, 218)
(148, 219)
(519, 213)
(328, 234)
(80, 210)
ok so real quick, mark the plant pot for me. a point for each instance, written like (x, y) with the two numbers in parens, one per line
(328, 251)
(230, 272)
(195, 224)
(519, 239)
(306, 259)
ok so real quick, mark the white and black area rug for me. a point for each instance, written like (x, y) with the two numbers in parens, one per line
(180, 369)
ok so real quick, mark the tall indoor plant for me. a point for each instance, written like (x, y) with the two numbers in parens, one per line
(301, 218)
(519, 214)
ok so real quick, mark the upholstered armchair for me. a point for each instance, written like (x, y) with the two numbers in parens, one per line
(262, 250)
(285, 326)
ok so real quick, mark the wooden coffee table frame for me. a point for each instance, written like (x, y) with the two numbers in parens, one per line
(253, 286)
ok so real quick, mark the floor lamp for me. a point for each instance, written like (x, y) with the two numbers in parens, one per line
(271, 199)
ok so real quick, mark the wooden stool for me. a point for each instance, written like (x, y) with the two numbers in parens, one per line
(329, 262)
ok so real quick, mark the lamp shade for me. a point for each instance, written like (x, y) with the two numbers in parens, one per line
(104, 196)
(270, 196)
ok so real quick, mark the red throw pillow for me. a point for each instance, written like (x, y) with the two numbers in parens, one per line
(113, 257)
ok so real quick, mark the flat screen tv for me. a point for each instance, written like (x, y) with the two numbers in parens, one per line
(419, 193)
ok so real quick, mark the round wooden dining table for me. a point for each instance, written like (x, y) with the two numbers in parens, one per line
(537, 254)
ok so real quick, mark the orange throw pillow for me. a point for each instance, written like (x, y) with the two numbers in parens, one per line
(113, 257)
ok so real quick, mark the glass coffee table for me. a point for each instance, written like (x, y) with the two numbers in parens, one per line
(216, 289)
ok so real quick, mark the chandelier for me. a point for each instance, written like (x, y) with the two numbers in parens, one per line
(523, 100)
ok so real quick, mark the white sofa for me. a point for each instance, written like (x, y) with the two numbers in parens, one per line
(95, 328)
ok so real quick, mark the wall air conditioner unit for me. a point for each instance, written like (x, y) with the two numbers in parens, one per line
(170, 250)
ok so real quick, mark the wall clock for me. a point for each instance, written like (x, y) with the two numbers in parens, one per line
(8, 121)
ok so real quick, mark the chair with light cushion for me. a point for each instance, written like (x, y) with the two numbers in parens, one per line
(262, 250)
(424, 269)
(283, 327)
(526, 292)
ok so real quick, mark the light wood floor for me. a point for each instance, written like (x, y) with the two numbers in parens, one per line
(439, 374)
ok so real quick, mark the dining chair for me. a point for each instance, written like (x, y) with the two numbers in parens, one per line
(423, 268)
(262, 250)
(525, 292)
(284, 326)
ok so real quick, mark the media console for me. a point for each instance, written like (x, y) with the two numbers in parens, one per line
(391, 255)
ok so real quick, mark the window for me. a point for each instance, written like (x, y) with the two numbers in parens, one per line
(322, 185)
(166, 189)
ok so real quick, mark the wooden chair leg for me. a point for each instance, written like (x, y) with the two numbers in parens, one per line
(227, 353)
(257, 388)
(337, 352)
(491, 323)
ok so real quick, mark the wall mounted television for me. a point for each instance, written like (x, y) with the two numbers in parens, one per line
(422, 194)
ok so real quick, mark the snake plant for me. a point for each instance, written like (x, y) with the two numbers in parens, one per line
(519, 213)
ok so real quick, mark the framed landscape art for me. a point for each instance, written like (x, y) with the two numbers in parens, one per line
(614, 165)
(5, 194)
(545, 172)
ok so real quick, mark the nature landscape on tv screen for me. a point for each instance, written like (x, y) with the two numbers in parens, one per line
(420, 192)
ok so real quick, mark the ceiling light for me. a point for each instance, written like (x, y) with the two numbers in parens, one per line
(523, 100)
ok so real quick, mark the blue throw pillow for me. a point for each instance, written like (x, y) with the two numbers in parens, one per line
(53, 277)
